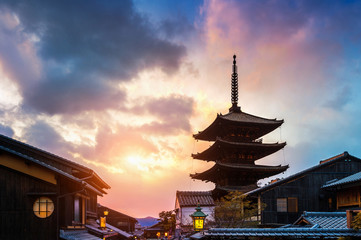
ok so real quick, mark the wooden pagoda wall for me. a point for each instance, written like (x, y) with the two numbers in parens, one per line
(286, 202)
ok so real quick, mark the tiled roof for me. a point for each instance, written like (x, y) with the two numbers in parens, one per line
(350, 179)
(54, 169)
(77, 235)
(239, 118)
(217, 233)
(326, 220)
(260, 171)
(37, 153)
(213, 153)
(249, 118)
(191, 198)
(322, 164)
(318, 225)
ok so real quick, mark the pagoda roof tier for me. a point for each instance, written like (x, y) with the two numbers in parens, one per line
(261, 126)
(254, 171)
(259, 150)
(242, 189)
(220, 191)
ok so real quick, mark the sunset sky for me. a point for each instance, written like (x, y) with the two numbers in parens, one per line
(121, 86)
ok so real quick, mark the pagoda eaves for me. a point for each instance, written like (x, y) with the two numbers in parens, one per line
(237, 146)
(245, 151)
(257, 171)
(223, 124)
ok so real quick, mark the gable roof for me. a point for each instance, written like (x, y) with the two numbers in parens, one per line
(54, 163)
(325, 220)
(101, 208)
(322, 164)
(192, 198)
(354, 178)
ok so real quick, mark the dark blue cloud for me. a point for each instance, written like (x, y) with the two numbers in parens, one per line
(86, 48)
(7, 131)
(173, 114)
(44, 136)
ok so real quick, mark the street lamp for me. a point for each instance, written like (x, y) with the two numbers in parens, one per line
(198, 219)
(104, 219)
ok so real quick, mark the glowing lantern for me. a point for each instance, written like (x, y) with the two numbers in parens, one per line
(198, 219)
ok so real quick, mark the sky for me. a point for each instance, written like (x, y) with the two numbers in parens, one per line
(121, 86)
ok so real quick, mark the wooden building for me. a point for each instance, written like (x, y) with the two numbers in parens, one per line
(348, 191)
(287, 198)
(118, 219)
(185, 205)
(43, 195)
(238, 144)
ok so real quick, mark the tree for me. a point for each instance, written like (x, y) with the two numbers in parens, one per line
(356, 223)
(167, 219)
(235, 210)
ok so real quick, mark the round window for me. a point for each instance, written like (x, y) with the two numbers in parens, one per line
(43, 207)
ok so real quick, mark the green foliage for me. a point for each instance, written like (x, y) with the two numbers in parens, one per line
(167, 219)
(356, 223)
(235, 210)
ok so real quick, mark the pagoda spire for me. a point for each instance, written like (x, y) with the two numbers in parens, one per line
(234, 88)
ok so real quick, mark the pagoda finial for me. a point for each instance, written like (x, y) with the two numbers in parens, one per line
(234, 88)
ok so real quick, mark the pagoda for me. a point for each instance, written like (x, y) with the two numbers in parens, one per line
(237, 145)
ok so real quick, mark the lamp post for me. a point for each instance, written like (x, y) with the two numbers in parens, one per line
(198, 219)
(103, 220)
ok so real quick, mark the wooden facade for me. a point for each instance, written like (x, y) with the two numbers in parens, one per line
(286, 199)
(118, 219)
(41, 193)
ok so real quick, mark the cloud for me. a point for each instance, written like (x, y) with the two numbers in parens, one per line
(44, 136)
(172, 112)
(113, 146)
(86, 52)
(7, 131)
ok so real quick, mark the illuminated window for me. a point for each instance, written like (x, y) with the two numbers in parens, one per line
(43, 207)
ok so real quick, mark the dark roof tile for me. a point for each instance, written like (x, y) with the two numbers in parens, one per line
(192, 198)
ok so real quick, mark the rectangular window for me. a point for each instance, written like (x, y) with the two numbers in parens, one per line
(281, 204)
(292, 204)
(287, 204)
(79, 209)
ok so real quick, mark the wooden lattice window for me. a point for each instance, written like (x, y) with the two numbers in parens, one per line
(281, 204)
(43, 207)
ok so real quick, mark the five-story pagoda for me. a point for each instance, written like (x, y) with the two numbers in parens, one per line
(237, 145)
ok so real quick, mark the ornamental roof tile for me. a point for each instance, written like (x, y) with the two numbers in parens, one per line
(344, 181)
(192, 198)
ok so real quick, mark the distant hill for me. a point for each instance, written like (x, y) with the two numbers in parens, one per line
(147, 221)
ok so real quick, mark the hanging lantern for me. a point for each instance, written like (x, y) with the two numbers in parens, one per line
(198, 219)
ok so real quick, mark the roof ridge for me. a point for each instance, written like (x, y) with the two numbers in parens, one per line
(31, 147)
(281, 181)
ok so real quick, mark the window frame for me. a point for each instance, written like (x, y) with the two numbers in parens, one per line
(38, 206)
